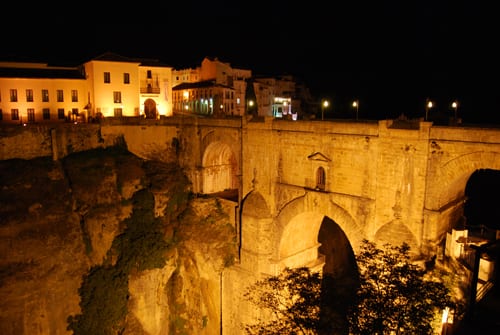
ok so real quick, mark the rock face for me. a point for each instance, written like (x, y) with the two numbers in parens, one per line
(63, 221)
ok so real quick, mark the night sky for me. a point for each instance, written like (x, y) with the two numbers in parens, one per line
(391, 55)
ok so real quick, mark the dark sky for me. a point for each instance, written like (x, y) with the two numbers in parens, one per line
(391, 55)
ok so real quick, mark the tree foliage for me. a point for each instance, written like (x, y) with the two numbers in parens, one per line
(395, 296)
(290, 302)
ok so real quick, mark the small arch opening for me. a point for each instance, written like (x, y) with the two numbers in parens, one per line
(320, 179)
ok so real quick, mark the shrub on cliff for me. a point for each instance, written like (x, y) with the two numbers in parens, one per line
(141, 246)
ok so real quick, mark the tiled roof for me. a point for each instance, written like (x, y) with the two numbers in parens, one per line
(200, 84)
(113, 57)
(43, 73)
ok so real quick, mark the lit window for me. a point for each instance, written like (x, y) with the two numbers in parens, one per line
(117, 97)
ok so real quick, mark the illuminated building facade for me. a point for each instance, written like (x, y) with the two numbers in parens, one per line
(108, 85)
(36, 92)
(111, 85)
(121, 86)
(214, 88)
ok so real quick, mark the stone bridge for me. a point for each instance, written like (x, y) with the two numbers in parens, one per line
(310, 191)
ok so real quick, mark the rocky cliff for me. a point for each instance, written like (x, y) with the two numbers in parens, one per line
(103, 242)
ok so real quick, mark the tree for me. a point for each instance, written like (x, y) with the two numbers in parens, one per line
(292, 300)
(394, 296)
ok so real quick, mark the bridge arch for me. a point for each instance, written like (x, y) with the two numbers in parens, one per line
(449, 181)
(219, 168)
(386, 233)
(444, 202)
(298, 225)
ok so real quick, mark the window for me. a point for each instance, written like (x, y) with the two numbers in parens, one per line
(60, 113)
(13, 96)
(14, 114)
(74, 96)
(29, 95)
(60, 96)
(320, 179)
(46, 113)
(107, 77)
(45, 95)
(31, 115)
(117, 97)
(149, 74)
(126, 78)
(118, 112)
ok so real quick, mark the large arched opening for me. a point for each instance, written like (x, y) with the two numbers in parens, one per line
(219, 169)
(312, 237)
(482, 195)
(340, 277)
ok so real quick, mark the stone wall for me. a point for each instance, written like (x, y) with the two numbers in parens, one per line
(56, 140)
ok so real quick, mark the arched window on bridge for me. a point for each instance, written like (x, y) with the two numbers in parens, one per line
(320, 179)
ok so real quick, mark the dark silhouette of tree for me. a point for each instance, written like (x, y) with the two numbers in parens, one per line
(395, 296)
(290, 302)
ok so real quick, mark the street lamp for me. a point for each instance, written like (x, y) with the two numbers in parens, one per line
(324, 105)
(355, 105)
(454, 105)
(428, 106)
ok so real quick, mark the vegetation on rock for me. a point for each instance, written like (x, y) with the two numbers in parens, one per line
(141, 246)
(88, 227)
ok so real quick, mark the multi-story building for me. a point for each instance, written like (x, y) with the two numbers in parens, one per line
(214, 88)
(121, 86)
(35, 92)
(111, 85)
(108, 85)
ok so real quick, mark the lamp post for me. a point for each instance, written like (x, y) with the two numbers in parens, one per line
(355, 105)
(428, 106)
(324, 105)
(454, 105)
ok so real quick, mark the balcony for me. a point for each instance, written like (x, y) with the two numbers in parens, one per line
(150, 90)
